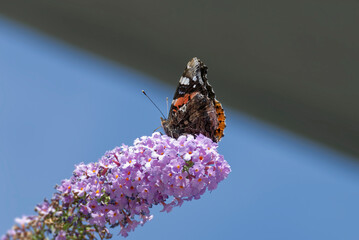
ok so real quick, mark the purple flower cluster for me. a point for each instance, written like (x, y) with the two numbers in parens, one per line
(126, 182)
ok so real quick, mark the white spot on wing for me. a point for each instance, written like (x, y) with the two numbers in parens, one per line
(194, 86)
(201, 81)
(184, 81)
(183, 108)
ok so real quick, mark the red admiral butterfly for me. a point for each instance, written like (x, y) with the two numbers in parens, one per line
(194, 108)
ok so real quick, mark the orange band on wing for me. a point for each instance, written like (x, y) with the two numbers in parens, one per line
(221, 120)
(183, 100)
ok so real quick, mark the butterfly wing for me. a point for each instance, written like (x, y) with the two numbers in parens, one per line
(194, 108)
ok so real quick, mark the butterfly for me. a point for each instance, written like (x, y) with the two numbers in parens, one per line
(195, 109)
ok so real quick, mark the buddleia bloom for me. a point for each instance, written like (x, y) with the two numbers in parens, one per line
(124, 184)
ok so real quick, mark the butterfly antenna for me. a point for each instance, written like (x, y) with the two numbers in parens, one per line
(167, 103)
(143, 91)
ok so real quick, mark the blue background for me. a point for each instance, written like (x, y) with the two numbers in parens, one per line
(60, 106)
